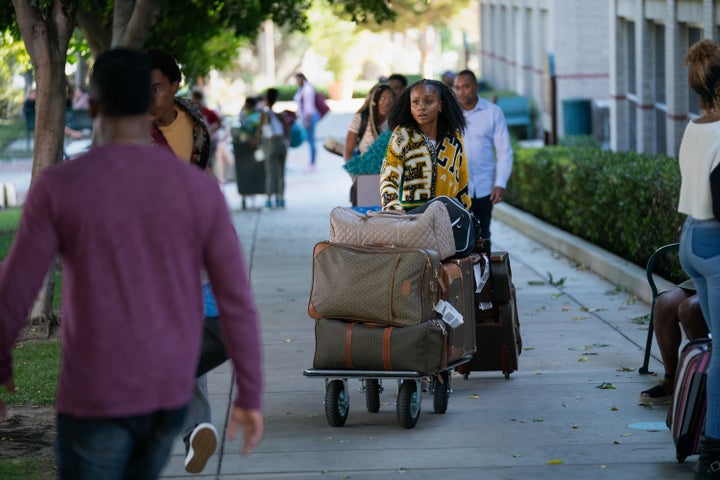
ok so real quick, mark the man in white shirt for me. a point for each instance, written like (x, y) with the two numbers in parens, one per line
(488, 149)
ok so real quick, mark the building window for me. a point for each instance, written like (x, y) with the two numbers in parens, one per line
(659, 88)
(630, 59)
(659, 57)
(694, 36)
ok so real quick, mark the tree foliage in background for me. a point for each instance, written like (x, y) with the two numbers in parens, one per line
(14, 60)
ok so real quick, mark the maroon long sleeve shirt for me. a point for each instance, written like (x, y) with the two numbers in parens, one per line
(134, 228)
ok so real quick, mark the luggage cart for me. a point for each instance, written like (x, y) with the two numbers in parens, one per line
(409, 396)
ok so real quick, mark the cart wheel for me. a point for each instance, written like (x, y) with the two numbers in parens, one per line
(337, 403)
(506, 361)
(372, 395)
(441, 392)
(408, 404)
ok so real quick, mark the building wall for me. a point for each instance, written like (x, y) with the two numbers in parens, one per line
(650, 100)
(516, 36)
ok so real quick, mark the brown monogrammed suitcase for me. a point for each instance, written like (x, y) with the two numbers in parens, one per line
(388, 286)
(362, 346)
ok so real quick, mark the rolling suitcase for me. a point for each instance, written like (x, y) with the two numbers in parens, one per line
(497, 327)
(459, 280)
(686, 416)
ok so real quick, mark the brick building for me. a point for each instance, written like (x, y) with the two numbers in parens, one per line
(650, 98)
(628, 54)
(516, 36)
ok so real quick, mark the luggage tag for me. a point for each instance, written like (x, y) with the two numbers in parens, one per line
(449, 314)
(481, 278)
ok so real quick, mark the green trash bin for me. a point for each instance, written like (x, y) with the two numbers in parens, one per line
(577, 116)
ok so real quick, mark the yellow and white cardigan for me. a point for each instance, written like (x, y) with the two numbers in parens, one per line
(415, 170)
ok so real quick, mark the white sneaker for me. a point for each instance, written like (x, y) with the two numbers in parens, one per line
(200, 447)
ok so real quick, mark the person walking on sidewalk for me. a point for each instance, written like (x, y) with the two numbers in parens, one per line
(308, 112)
(179, 125)
(488, 149)
(425, 157)
(132, 254)
(699, 157)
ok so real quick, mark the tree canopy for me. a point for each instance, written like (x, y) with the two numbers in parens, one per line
(201, 34)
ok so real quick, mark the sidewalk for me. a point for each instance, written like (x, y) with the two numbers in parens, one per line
(548, 421)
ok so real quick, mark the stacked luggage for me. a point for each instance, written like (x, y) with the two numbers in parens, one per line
(388, 298)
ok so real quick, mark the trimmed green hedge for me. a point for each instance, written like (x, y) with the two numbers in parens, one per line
(624, 202)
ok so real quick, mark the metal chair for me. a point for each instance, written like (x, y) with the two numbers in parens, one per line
(655, 294)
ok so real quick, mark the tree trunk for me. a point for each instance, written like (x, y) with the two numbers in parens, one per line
(132, 20)
(46, 35)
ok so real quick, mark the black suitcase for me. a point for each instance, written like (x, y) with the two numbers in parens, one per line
(497, 326)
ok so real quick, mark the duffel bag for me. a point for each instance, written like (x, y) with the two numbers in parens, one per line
(430, 229)
(362, 346)
(462, 221)
(389, 286)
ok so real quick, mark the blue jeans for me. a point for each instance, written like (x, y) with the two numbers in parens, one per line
(126, 448)
(310, 131)
(700, 258)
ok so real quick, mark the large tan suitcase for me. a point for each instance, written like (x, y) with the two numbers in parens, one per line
(362, 346)
(388, 286)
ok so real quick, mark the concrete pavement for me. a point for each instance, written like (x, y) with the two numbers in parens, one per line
(550, 420)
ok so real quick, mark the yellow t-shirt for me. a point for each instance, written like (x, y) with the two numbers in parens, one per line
(179, 135)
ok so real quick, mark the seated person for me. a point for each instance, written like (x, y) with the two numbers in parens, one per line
(674, 308)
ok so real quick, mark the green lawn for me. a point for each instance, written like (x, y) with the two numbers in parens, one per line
(36, 367)
(36, 467)
(10, 129)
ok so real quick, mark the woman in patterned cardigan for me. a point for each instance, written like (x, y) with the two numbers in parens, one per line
(426, 154)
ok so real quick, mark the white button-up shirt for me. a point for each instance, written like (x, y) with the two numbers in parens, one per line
(487, 131)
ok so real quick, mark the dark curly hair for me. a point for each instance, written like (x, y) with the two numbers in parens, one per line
(450, 119)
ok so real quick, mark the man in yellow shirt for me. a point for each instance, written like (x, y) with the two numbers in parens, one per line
(177, 122)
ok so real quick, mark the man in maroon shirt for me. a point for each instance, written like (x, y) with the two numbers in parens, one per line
(134, 228)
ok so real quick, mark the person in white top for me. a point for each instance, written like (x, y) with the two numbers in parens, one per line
(487, 147)
(700, 238)
(308, 112)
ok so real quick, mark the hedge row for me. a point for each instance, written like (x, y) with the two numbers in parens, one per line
(624, 202)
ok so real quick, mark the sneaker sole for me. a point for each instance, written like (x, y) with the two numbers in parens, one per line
(202, 446)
